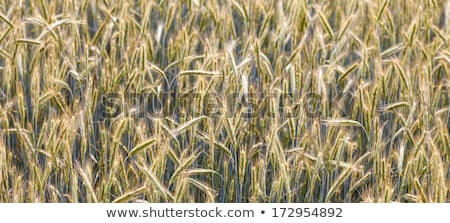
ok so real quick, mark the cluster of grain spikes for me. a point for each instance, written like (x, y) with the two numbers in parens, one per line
(224, 101)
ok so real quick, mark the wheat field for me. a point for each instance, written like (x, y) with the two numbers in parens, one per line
(224, 101)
